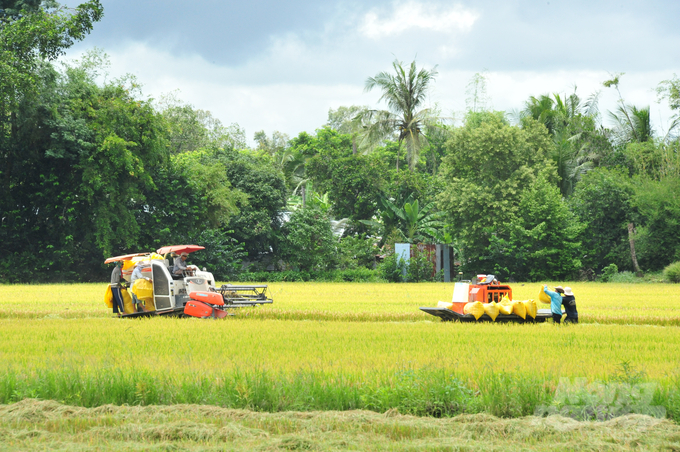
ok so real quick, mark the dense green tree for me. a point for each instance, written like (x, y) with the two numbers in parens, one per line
(541, 241)
(352, 182)
(603, 202)
(90, 153)
(658, 236)
(260, 216)
(26, 41)
(307, 243)
(488, 167)
(578, 143)
(190, 129)
(404, 92)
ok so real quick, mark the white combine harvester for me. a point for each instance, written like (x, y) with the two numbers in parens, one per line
(191, 293)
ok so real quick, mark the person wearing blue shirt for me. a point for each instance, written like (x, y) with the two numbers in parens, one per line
(555, 303)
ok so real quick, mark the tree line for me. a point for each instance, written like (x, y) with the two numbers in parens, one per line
(90, 168)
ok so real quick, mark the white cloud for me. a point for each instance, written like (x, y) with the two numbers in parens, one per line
(415, 15)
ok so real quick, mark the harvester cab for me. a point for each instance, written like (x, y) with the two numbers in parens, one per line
(191, 292)
(487, 300)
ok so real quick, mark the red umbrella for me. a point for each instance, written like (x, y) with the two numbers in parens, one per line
(127, 257)
(179, 249)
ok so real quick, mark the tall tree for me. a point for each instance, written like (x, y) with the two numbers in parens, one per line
(404, 92)
(572, 123)
(30, 34)
(488, 166)
(632, 124)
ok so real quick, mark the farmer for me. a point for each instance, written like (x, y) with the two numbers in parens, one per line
(137, 274)
(180, 264)
(115, 290)
(555, 302)
(569, 302)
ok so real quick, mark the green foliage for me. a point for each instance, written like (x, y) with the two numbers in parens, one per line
(94, 151)
(307, 242)
(353, 182)
(488, 166)
(348, 275)
(416, 224)
(625, 277)
(418, 268)
(189, 129)
(393, 268)
(357, 251)
(603, 202)
(608, 272)
(657, 240)
(672, 272)
(541, 242)
(222, 255)
(259, 218)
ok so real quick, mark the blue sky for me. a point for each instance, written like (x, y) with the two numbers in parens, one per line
(270, 65)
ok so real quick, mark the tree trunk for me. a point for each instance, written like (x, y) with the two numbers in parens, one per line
(354, 144)
(304, 197)
(631, 233)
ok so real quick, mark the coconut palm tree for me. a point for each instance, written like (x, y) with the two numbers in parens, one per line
(571, 123)
(632, 124)
(404, 92)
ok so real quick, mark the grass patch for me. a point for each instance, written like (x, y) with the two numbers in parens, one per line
(33, 424)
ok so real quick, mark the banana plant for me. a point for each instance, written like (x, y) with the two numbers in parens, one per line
(416, 224)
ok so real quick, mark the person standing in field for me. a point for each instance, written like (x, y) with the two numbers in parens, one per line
(118, 307)
(555, 303)
(569, 302)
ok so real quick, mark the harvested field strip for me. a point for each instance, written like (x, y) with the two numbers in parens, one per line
(32, 424)
(635, 304)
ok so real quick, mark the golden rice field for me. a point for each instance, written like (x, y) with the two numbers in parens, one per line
(641, 304)
(177, 346)
(310, 327)
(337, 345)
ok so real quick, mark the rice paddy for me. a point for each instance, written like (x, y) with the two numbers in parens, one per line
(639, 304)
(333, 346)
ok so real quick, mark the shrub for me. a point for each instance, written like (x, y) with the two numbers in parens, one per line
(357, 252)
(625, 277)
(672, 272)
(392, 269)
(609, 271)
(418, 268)
(308, 243)
(353, 275)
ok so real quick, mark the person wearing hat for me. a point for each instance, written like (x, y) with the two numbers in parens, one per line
(180, 263)
(555, 302)
(115, 290)
(137, 274)
(569, 302)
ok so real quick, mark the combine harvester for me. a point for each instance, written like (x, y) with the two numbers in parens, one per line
(189, 294)
(487, 301)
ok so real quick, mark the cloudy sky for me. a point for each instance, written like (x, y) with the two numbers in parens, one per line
(275, 65)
